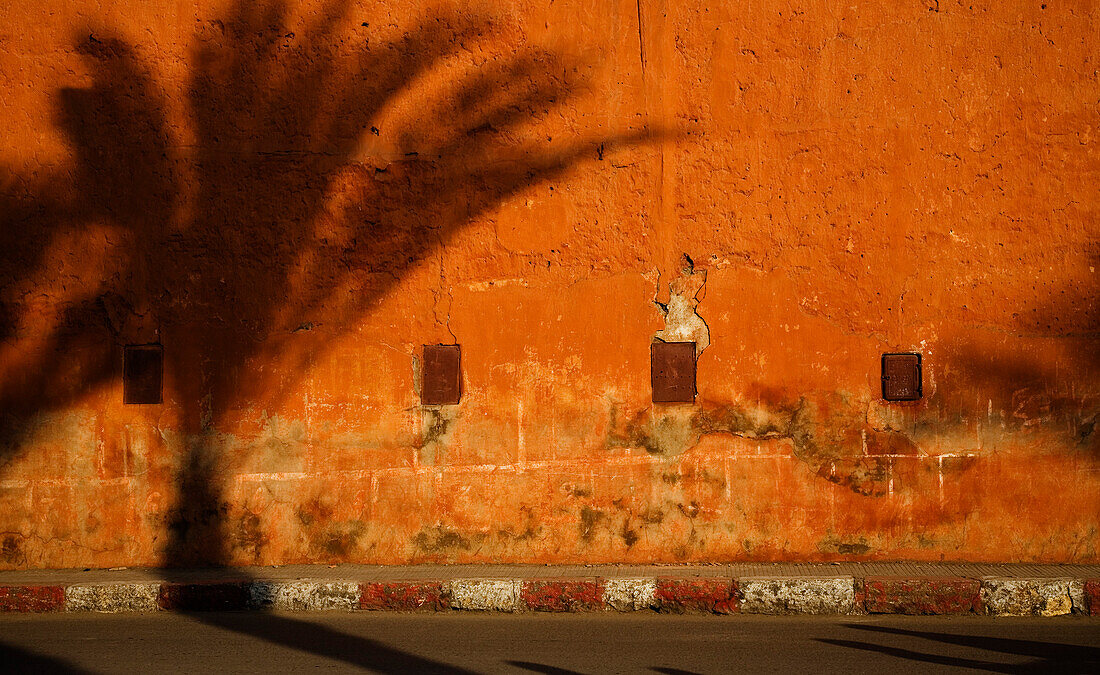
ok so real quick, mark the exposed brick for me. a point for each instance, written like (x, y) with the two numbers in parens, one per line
(404, 595)
(32, 598)
(209, 596)
(1092, 596)
(941, 595)
(697, 595)
(560, 595)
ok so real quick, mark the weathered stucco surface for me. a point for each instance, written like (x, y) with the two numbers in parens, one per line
(293, 198)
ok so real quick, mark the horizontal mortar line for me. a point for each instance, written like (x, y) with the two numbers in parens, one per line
(67, 482)
(465, 468)
(613, 574)
(585, 464)
(284, 475)
(508, 468)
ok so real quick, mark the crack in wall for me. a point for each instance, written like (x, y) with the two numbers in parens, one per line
(443, 290)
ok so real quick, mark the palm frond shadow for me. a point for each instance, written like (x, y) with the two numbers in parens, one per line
(220, 248)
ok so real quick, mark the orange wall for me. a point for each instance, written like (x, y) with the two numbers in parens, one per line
(293, 198)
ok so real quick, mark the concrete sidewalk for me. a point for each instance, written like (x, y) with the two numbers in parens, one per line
(780, 588)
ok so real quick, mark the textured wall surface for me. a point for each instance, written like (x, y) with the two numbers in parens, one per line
(292, 198)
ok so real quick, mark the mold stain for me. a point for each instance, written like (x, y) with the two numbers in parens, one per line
(327, 537)
(440, 539)
(830, 435)
(832, 544)
(341, 539)
(590, 518)
(280, 445)
(437, 426)
(11, 549)
(629, 536)
(691, 511)
(531, 528)
(250, 535)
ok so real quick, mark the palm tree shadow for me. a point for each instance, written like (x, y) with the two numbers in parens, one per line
(911, 655)
(1029, 393)
(19, 660)
(1047, 656)
(1046, 650)
(278, 137)
(320, 640)
(541, 668)
(220, 247)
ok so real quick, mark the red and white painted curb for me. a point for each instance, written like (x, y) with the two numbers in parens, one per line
(994, 596)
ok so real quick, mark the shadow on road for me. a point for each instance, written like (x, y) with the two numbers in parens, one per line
(311, 638)
(542, 668)
(1048, 656)
(16, 660)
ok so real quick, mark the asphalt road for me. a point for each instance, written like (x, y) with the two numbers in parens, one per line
(463, 643)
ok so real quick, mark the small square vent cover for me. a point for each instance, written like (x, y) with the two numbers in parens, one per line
(672, 371)
(901, 377)
(142, 374)
(442, 375)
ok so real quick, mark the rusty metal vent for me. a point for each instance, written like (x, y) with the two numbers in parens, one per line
(142, 374)
(672, 371)
(901, 377)
(442, 375)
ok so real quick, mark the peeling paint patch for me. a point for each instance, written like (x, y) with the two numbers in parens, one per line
(682, 320)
